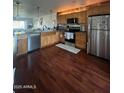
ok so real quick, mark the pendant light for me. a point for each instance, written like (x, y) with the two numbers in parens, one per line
(40, 19)
(17, 7)
(38, 11)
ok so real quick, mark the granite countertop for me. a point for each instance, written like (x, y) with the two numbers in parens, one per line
(25, 35)
(22, 36)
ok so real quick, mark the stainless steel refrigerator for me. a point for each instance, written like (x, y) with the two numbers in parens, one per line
(99, 36)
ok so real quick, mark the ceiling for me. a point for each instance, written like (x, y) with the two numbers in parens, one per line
(29, 7)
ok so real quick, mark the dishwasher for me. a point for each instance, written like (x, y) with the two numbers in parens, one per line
(33, 42)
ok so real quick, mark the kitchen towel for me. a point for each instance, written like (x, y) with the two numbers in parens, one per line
(69, 35)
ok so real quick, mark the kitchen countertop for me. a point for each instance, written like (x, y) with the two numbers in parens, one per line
(25, 35)
(20, 36)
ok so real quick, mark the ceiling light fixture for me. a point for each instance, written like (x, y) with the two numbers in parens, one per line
(40, 20)
(17, 7)
(38, 11)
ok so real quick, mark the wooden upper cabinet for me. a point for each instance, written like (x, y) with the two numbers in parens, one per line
(82, 17)
(99, 9)
(103, 8)
(72, 15)
(61, 19)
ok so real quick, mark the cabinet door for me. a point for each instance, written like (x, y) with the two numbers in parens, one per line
(49, 38)
(80, 40)
(102, 9)
(82, 17)
(22, 46)
(61, 37)
(61, 19)
(57, 36)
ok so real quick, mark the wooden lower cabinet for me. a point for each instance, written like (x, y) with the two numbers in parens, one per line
(22, 45)
(61, 37)
(80, 40)
(49, 38)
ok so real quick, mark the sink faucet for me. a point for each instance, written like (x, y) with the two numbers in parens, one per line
(45, 27)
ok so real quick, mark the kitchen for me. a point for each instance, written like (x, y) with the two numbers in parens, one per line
(50, 44)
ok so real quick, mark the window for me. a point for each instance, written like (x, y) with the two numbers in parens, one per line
(19, 24)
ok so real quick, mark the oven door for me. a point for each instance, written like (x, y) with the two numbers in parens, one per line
(70, 37)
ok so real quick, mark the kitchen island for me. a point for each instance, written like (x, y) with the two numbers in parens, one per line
(49, 38)
(20, 44)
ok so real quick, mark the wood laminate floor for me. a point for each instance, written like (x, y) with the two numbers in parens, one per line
(54, 70)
